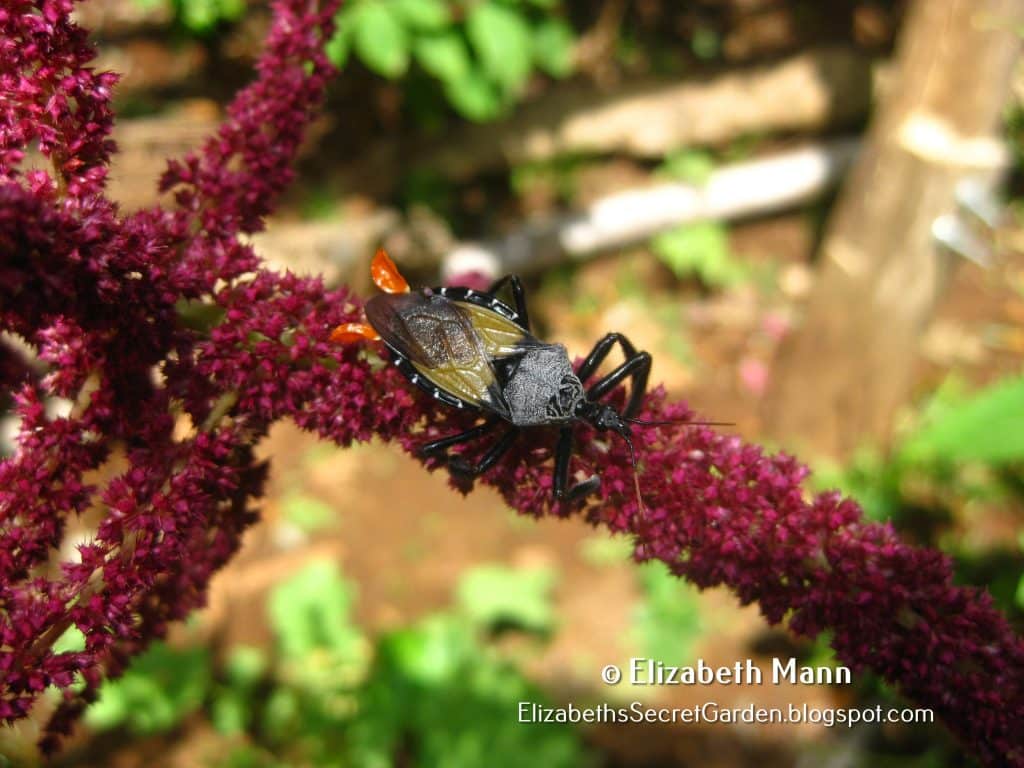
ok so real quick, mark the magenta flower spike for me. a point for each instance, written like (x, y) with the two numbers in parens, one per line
(99, 296)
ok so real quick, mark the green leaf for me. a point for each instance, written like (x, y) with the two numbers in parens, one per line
(340, 44)
(691, 166)
(428, 15)
(431, 652)
(312, 610)
(232, 10)
(988, 427)
(501, 38)
(553, 42)
(492, 595)
(307, 513)
(231, 712)
(246, 666)
(706, 43)
(72, 641)
(474, 97)
(380, 39)
(667, 621)
(159, 689)
(443, 698)
(867, 477)
(198, 315)
(200, 17)
(605, 549)
(444, 56)
(281, 712)
(247, 756)
(700, 249)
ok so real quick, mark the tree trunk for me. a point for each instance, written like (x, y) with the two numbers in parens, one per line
(847, 369)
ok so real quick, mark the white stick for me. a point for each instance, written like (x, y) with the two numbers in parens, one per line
(733, 191)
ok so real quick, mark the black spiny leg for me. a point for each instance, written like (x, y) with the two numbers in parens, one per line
(638, 367)
(563, 453)
(600, 352)
(460, 466)
(462, 437)
(516, 285)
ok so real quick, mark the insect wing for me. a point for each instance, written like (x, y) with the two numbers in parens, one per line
(499, 336)
(388, 314)
(442, 345)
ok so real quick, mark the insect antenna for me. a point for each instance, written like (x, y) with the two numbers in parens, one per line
(647, 423)
(636, 474)
(624, 433)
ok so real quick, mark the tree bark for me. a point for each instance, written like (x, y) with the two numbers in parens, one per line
(843, 374)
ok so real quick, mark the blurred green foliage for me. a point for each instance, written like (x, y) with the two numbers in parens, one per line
(200, 17)
(311, 615)
(481, 53)
(437, 693)
(666, 621)
(962, 446)
(963, 450)
(308, 513)
(961, 456)
(558, 174)
(1014, 125)
(605, 549)
(436, 687)
(499, 596)
(706, 43)
(431, 190)
(986, 427)
(159, 689)
(691, 166)
(700, 249)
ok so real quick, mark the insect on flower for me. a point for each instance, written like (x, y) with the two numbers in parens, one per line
(470, 350)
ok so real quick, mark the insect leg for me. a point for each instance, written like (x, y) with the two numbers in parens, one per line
(461, 466)
(518, 293)
(563, 453)
(600, 352)
(461, 437)
(637, 367)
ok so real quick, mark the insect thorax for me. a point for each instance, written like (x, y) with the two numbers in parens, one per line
(542, 387)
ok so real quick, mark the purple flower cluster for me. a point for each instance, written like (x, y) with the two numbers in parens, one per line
(105, 302)
(147, 320)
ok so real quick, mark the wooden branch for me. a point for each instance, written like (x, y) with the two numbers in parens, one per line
(819, 89)
(734, 191)
(840, 379)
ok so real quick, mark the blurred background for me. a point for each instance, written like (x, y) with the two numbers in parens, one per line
(810, 213)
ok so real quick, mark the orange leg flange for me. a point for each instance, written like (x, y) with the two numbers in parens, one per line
(348, 333)
(386, 275)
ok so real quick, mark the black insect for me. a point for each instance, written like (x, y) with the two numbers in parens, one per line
(470, 350)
